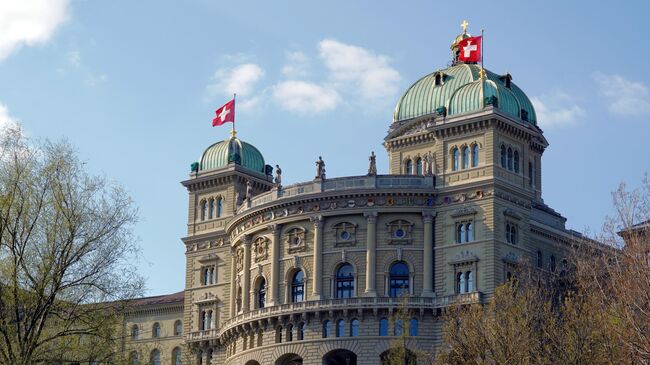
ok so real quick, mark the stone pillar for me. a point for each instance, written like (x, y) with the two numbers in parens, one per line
(274, 289)
(233, 283)
(371, 254)
(246, 285)
(318, 257)
(427, 289)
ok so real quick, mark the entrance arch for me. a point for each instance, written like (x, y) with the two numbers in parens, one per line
(409, 357)
(289, 359)
(252, 362)
(340, 357)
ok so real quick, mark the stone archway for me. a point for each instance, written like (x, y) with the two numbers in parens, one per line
(409, 357)
(252, 362)
(289, 359)
(340, 357)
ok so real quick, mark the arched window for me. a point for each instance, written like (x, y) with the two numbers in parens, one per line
(199, 357)
(178, 328)
(301, 331)
(155, 330)
(418, 166)
(397, 329)
(354, 328)
(513, 235)
(509, 158)
(219, 206)
(261, 293)
(460, 283)
(517, 161)
(213, 275)
(454, 159)
(469, 232)
(345, 281)
(204, 210)
(340, 328)
(438, 79)
(475, 155)
(465, 157)
(289, 332)
(298, 287)
(469, 281)
(211, 209)
(208, 319)
(553, 263)
(540, 259)
(176, 356)
(399, 279)
(278, 334)
(508, 233)
(503, 156)
(460, 233)
(260, 338)
(326, 329)
(383, 327)
(409, 167)
(134, 358)
(135, 332)
(209, 357)
(413, 327)
(155, 357)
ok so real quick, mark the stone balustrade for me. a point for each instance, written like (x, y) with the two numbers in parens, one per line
(313, 306)
(402, 182)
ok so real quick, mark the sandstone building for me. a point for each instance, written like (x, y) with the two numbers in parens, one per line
(311, 273)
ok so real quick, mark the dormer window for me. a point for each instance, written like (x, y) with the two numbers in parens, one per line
(507, 80)
(439, 78)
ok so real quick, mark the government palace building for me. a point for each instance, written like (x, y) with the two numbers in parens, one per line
(314, 273)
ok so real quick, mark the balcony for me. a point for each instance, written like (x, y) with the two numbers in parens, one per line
(350, 304)
(401, 182)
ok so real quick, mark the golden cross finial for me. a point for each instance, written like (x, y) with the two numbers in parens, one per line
(464, 24)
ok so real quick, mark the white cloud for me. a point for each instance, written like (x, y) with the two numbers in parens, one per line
(305, 97)
(356, 67)
(624, 97)
(29, 22)
(6, 118)
(297, 65)
(74, 58)
(94, 80)
(241, 79)
(557, 109)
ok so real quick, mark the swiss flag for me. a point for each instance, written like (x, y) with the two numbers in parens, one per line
(225, 114)
(470, 49)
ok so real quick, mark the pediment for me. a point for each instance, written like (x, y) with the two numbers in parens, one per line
(410, 128)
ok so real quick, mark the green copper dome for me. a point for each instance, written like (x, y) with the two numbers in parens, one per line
(232, 151)
(460, 89)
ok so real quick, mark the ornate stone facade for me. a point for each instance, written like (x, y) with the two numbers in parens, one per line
(308, 273)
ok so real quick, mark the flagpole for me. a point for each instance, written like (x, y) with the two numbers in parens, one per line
(233, 132)
(482, 49)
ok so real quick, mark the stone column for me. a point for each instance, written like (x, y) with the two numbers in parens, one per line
(233, 282)
(246, 285)
(274, 289)
(371, 254)
(318, 257)
(427, 290)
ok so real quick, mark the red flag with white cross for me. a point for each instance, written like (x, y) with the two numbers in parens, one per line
(470, 49)
(225, 114)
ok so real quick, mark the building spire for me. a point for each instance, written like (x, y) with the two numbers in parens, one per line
(464, 25)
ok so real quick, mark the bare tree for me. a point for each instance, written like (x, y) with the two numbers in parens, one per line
(66, 250)
(619, 278)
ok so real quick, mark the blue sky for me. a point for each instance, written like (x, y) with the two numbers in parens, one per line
(134, 85)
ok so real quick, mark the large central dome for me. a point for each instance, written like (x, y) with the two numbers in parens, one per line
(460, 89)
